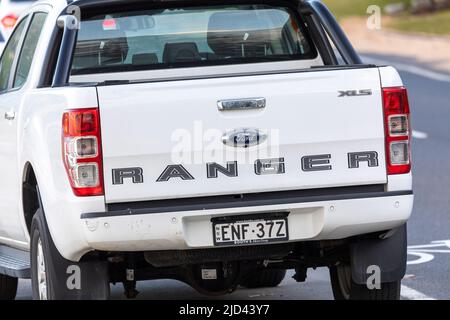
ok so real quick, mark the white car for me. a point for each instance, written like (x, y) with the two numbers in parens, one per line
(10, 11)
(2, 39)
(217, 144)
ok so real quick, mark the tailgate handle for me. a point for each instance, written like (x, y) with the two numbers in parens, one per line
(241, 104)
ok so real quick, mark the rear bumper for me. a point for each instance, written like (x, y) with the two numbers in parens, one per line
(323, 217)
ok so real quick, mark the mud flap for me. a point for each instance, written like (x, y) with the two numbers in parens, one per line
(389, 254)
(67, 280)
(92, 284)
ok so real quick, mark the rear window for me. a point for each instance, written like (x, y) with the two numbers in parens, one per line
(188, 37)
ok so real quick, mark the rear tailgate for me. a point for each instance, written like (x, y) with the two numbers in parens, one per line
(151, 126)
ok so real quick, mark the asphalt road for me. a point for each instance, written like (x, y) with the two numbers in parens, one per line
(428, 275)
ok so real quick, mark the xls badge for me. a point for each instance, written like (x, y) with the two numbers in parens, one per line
(355, 93)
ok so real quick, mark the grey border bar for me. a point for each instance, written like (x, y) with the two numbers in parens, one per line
(262, 201)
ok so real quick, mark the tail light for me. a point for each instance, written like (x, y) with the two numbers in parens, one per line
(82, 151)
(398, 130)
(9, 21)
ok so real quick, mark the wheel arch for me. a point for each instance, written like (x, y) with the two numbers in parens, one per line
(30, 197)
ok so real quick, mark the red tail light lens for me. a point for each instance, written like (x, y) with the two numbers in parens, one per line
(398, 131)
(109, 24)
(9, 21)
(81, 144)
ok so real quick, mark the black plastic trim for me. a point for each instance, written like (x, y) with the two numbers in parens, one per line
(244, 200)
(66, 51)
(335, 32)
(51, 59)
(390, 255)
(321, 41)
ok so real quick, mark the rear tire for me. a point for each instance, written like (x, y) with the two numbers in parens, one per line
(8, 287)
(40, 259)
(344, 288)
(267, 278)
(50, 271)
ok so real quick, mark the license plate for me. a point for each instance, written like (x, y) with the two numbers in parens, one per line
(237, 231)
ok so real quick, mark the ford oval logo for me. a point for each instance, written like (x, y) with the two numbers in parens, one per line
(244, 138)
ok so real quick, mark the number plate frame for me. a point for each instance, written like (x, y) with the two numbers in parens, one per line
(271, 216)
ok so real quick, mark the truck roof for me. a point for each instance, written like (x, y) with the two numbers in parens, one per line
(99, 2)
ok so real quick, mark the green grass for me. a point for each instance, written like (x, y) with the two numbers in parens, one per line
(433, 23)
(437, 23)
(345, 8)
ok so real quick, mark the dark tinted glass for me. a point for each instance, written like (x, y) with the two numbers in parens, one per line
(29, 48)
(183, 37)
(9, 53)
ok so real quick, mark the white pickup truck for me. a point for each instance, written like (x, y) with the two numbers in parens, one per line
(213, 142)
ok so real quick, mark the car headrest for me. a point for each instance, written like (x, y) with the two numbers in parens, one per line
(108, 46)
(113, 50)
(238, 34)
(181, 52)
(145, 59)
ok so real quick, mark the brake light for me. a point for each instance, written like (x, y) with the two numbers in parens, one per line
(81, 145)
(9, 21)
(398, 130)
(109, 24)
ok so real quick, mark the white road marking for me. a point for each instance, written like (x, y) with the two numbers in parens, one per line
(422, 257)
(433, 244)
(419, 134)
(432, 251)
(411, 294)
(433, 75)
(425, 252)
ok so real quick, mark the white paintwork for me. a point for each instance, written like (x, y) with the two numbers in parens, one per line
(390, 77)
(192, 229)
(10, 223)
(138, 121)
(400, 182)
(303, 117)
